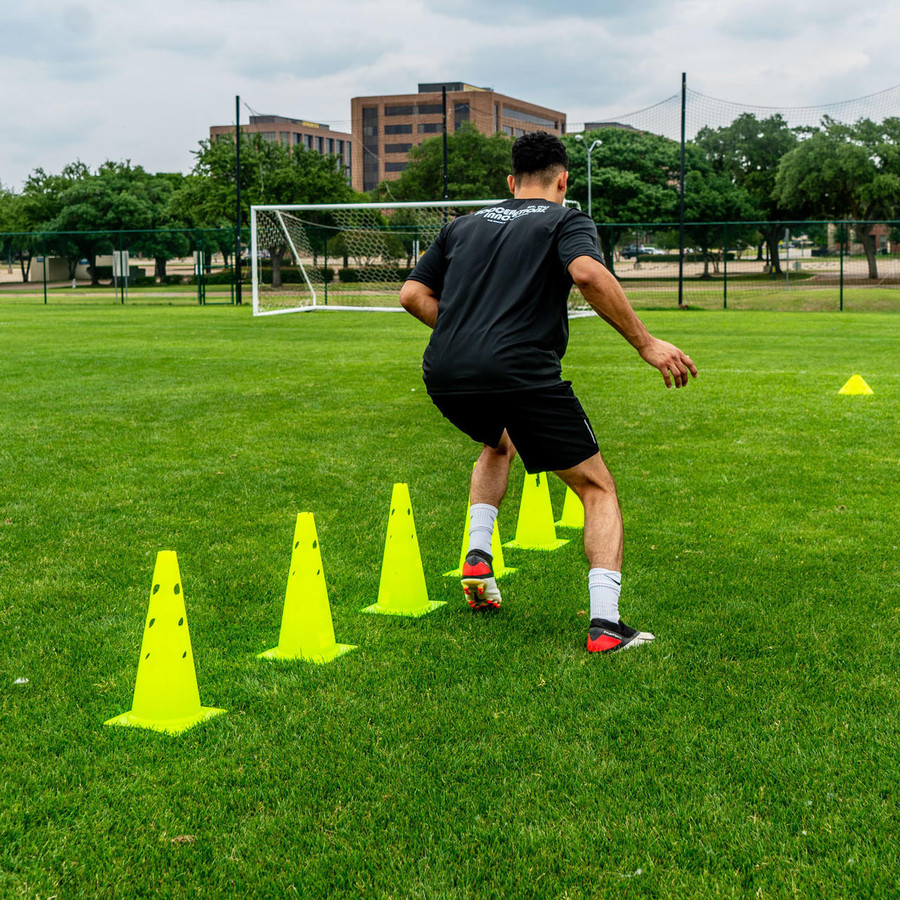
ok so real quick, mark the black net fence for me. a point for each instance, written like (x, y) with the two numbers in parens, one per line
(167, 266)
(819, 266)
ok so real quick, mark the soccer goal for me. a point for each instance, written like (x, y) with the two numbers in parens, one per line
(341, 255)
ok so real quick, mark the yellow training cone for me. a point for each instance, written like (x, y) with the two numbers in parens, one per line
(307, 630)
(856, 385)
(535, 529)
(500, 569)
(166, 697)
(573, 511)
(402, 590)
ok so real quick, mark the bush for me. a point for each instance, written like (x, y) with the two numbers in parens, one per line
(374, 274)
(290, 274)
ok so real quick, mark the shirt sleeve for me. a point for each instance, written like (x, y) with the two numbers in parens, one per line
(430, 268)
(578, 237)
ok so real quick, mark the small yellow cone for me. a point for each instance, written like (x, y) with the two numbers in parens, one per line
(166, 697)
(402, 591)
(307, 629)
(497, 564)
(535, 529)
(856, 385)
(573, 511)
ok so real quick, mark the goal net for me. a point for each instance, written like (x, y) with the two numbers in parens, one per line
(341, 256)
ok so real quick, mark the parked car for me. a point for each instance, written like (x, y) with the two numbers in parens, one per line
(633, 250)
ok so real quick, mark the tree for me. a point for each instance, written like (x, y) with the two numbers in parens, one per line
(845, 170)
(634, 178)
(748, 152)
(94, 208)
(710, 200)
(270, 173)
(477, 166)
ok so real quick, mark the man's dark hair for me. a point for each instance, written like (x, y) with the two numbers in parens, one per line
(539, 155)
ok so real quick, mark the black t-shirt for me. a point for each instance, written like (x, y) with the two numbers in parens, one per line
(501, 276)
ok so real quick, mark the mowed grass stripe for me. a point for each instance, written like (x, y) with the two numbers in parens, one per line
(750, 750)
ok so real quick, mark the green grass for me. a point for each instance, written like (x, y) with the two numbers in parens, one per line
(750, 751)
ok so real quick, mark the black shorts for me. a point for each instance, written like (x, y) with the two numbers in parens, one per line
(548, 426)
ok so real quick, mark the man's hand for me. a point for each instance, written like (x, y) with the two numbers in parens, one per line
(671, 362)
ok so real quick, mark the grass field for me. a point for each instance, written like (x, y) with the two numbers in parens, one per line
(750, 751)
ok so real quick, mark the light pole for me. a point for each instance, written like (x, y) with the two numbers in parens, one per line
(597, 143)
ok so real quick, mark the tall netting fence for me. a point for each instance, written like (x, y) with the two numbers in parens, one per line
(155, 266)
(702, 111)
(820, 266)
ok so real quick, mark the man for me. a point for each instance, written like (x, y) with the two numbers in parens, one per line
(494, 287)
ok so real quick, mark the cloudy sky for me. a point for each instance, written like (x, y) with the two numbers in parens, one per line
(141, 80)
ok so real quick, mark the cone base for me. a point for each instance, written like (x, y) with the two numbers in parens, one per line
(563, 524)
(559, 542)
(507, 570)
(166, 726)
(430, 606)
(320, 659)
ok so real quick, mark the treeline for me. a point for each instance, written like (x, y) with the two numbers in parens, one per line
(753, 170)
(78, 213)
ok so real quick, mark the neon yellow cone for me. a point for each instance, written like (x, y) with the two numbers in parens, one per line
(856, 385)
(573, 511)
(402, 591)
(166, 697)
(307, 629)
(535, 529)
(500, 569)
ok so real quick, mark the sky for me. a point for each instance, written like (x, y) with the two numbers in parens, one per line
(93, 80)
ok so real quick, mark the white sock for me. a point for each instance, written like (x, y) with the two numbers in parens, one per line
(481, 526)
(605, 586)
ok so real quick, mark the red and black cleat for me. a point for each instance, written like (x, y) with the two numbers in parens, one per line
(478, 582)
(610, 637)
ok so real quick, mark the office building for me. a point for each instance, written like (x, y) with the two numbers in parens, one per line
(385, 128)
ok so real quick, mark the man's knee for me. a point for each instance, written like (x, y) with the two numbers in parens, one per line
(590, 480)
(504, 452)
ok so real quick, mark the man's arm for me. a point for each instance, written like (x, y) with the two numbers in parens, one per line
(419, 300)
(608, 300)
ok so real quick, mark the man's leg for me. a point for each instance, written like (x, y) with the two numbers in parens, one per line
(490, 479)
(604, 539)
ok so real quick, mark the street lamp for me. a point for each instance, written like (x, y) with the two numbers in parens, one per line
(597, 143)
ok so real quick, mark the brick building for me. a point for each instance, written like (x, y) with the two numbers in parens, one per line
(289, 132)
(386, 127)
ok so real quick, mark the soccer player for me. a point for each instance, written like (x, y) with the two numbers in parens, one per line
(494, 288)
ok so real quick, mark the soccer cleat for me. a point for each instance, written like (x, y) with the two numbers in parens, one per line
(609, 637)
(478, 581)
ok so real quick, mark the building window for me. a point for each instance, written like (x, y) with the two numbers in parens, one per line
(340, 148)
(496, 117)
(370, 148)
(519, 132)
(268, 135)
(309, 142)
(395, 166)
(398, 129)
(507, 129)
(331, 146)
(460, 114)
(397, 148)
(430, 128)
(418, 109)
(529, 117)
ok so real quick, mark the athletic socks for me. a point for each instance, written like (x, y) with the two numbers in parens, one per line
(605, 586)
(481, 527)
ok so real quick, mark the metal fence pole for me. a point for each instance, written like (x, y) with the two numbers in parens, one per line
(725, 265)
(841, 233)
(44, 251)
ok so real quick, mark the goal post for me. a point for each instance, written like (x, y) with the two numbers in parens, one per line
(341, 256)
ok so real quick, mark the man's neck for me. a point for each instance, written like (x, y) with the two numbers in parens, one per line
(533, 193)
